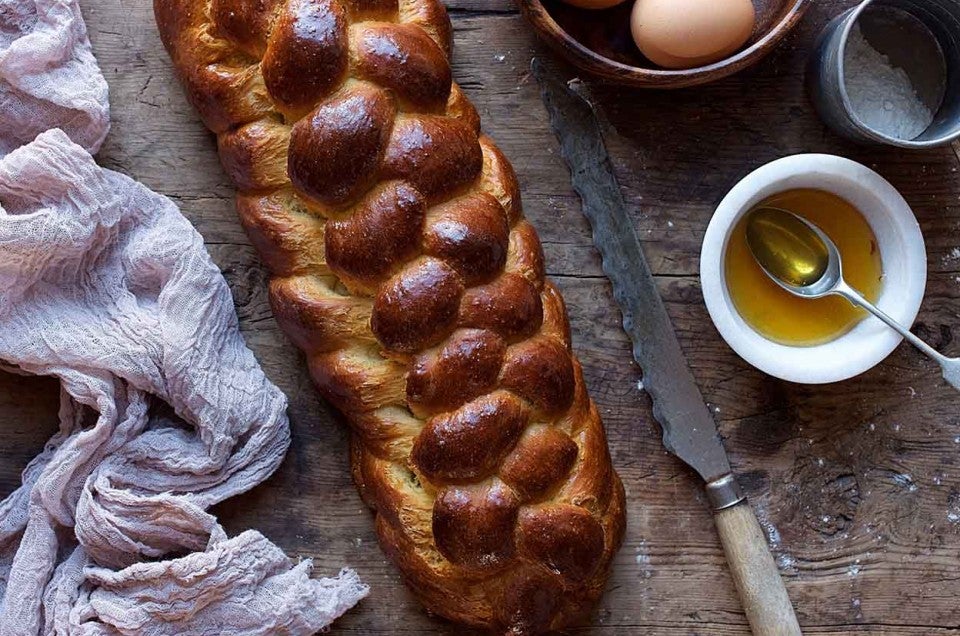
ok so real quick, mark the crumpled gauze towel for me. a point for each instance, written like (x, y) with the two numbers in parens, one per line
(105, 285)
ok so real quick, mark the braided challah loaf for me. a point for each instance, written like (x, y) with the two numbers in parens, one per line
(404, 269)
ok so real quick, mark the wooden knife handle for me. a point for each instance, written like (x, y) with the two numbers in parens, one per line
(758, 581)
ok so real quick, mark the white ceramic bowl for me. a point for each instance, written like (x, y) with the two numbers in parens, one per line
(901, 249)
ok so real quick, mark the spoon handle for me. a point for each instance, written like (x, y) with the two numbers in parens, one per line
(950, 366)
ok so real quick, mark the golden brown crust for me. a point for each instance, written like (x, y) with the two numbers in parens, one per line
(404, 269)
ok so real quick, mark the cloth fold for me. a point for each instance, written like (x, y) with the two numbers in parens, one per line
(105, 285)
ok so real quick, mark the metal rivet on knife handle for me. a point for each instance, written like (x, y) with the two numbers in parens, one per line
(724, 492)
(689, 431)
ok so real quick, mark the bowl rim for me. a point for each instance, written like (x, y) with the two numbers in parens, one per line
(588, 59)
(902, 247)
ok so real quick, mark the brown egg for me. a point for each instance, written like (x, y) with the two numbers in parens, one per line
(594, 4)
(690, 33)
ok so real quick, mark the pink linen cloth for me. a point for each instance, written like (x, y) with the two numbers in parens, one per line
(105, 285)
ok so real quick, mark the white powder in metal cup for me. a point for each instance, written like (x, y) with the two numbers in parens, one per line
(882, 95)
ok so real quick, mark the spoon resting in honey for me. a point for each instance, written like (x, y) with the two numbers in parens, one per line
(799, 257)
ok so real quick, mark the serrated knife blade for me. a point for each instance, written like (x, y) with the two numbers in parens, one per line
(689, 431)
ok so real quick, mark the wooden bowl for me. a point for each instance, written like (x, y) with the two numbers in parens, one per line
(599, 41)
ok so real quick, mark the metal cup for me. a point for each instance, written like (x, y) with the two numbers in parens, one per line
(904, 27)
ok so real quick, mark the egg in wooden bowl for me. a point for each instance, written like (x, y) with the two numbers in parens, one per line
(663, 43)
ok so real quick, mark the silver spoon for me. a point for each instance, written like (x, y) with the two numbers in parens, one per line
(802, 259)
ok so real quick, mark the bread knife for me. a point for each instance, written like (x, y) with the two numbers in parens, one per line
(689, 431)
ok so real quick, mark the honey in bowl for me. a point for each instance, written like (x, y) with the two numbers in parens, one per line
(782, 317)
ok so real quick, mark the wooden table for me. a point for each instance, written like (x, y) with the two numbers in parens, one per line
(858, 484)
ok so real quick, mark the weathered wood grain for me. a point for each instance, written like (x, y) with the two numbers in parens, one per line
(858, 482)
